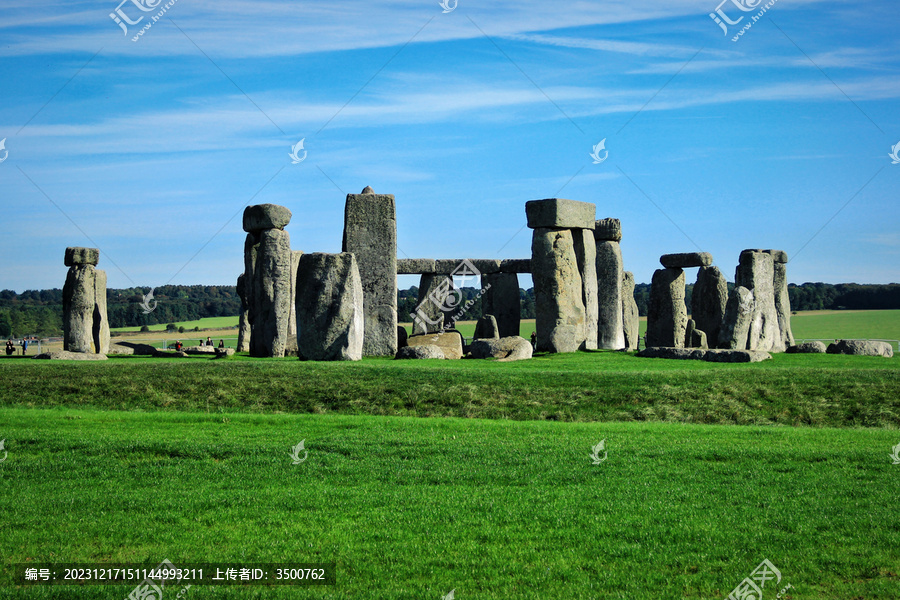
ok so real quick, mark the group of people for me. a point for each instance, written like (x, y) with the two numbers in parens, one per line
(209, 342)
(11, 348)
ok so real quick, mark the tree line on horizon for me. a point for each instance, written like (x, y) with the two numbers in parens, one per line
(39, 312)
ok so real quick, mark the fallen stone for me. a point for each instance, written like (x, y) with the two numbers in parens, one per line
(672, 353)
(559, 303)
(64, 355)
(561, 213)
(736, 323)
(666, 311)
(708, 302)
(610, 277)
(199, 350)
(505, 349)
(630, 314)
(861, 348)
(224, 352)
(723, 356)
(501, 299)
(170, 354)
(265, 216)
(422, 351)
(132, 348)
(608, 230)
(81, 256)
(486, 328)
(415, 266)
(450, 342)
(686, 260)
(330, 307)
(814, 347)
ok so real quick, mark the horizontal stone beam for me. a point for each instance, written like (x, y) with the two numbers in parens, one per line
(560, 213)
(686, 260)
(448, 266)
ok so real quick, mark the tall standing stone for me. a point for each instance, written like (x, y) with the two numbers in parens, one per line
(782, 299)
(708, 302)
(243, 343)
(610, 275)
(738, 316)
(630, 314)
(85, 324)
(756, 272)
(586, 255)
(667, 313)
(370, 232)
(501, 299)
(267, 278)
(292, 320)
(329, 307)
(560, 249)
(429, 316)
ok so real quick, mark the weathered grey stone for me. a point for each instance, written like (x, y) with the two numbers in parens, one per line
(698, 339)
(756, 272)
(329, 307)
(778, 256)
(436, 303)
(559, 212)
(423, 351)
(100, 326)
(129, 348)
(724, 356)
(586, 255)
(672, 353)
(292, 319)
(170, 354)
(370, 232)
(415, 266)
(610, 276)
(224, 352)
(515, 265)
(465, 266)
(265, 216)
(243, 344)
(199, 350)
(64, 355)
(666, 312)
(81, 256)
(449, 341)
(686, 260)
(402, 336)
(504, 349)
(738, 315)
(78, 308)
(708, 302)
(814, 347)
(690, 335)
(630, 315)
(290, 347)
(783, 303)
(608, 230)
(558, 291)
(861, 348)
(501, 299)
(271, 303)
(486, 328)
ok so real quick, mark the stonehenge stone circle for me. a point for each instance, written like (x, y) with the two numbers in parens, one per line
(667, 313)
(501, 299)
(739, 312)
(370, 232)
(329, 307)
(85, 323)
(486, 328)
(630, 314)
(686, 260)
(708, 302)
(756, 272)
(610, 276)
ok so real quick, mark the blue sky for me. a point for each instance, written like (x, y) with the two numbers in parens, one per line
(150, 149)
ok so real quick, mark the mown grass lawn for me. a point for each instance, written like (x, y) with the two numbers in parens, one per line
(412, 508)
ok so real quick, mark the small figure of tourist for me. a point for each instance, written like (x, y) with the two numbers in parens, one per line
(201, 343)
(178, 345)
(209, 341)
(10, 349)
(221, 343)
(534, 339)
(24, 346)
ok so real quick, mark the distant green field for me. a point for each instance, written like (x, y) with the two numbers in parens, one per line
(208, 323)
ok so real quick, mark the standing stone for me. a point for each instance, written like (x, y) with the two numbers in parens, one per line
(667, 313)
(243, 344)
(782, 298)
(329, 307)
(78, 308)
(558, 291)
(428, 316)
(402, 336)
(739, 311)
(695, 338)
(586, 254)
(100, 329)
(630, 316)
(756, 272)
(370, 232)
(486, 328)
(708, 302)
(292, 319)
(501, 299)
(271, 295)
(610, 274)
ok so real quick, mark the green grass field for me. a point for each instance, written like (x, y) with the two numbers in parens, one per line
(207, 323)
